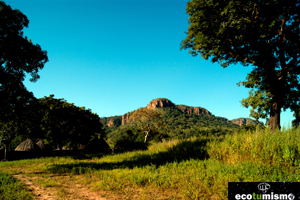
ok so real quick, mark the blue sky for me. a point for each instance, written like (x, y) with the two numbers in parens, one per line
(114, 56)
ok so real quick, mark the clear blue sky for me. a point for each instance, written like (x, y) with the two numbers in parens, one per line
(114, 56)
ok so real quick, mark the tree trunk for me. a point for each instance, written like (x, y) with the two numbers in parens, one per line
(147, 132)
(274, 120)
(6, 146)
(5, 151)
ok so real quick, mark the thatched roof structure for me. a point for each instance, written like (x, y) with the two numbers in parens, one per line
(97, 146)
(41, 144)
(28, 145)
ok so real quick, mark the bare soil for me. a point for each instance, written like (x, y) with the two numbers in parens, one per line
(68, 190)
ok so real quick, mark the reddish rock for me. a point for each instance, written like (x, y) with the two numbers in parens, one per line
(191, 110)
(246, 121)
(160, 103)
(125, 117)
(239, 121)
(110, 123)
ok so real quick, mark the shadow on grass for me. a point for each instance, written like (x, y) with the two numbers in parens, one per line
(184, 150)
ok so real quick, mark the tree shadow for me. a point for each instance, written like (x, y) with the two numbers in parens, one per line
(184, 150)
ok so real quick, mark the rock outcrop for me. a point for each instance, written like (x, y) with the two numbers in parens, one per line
(160, 103)
(111, 123)
(246, 121)
(191, 110)
(165, 103)
(114, 121)
(125, 117)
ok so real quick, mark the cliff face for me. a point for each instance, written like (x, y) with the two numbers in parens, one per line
(164, 103)
(246, 121)
(111, 122)
(160, 103)
(125, 117)
(191, 110)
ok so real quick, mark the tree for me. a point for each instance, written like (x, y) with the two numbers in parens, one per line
(63, 122)
(260, 102)
(146, 119)
(18, 57)
(25, 122)
(261, 34)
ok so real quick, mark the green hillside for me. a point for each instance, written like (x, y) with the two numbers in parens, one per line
(175, 124)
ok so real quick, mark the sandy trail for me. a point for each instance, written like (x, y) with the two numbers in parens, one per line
(75, 191)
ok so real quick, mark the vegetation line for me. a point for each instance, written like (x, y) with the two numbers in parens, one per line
(195, 168)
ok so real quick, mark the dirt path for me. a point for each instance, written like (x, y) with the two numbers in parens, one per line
(68, 190)
(38, 192)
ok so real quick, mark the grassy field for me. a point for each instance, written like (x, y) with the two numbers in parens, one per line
(198, 168)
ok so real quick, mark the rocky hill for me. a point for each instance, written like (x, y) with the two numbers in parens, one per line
(117, 121)
(166, 103)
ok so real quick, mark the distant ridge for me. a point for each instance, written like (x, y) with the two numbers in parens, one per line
(116, 121)
(245, 121)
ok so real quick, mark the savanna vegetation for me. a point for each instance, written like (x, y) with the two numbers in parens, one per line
(195, 168)
(183, 156)
(167, 123)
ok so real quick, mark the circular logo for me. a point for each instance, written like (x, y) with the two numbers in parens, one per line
(264, 187)
(291, 196)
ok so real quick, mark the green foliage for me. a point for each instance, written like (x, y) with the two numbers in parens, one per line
(117, 121)
(182, 125)
(261, 34)
(146, 120)
(171, 124)
(280, 149)
(65, 123)
(196, 168)
(12, 189)
(260, 103)
(126, 137)
(18, 58)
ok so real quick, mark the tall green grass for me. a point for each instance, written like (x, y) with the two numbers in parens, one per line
(12, 189)
(197, 168)
(281, 148)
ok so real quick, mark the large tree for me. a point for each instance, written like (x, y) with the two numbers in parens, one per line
(18, 58)
(63, 122)
(260, 34)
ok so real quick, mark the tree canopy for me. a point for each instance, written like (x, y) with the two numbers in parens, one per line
(63, 122)
(18, 58)
(260, 34)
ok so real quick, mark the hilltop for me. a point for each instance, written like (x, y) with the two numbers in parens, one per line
(116, 121)
(180, 121)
